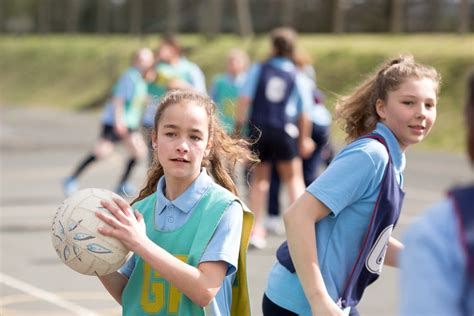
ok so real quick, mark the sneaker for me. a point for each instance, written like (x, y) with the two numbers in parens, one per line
(257, 242)
(126, 189)
(274, 225)
(70, 186)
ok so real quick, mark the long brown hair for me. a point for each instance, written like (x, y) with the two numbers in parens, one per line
(356, 112)
(224, 153)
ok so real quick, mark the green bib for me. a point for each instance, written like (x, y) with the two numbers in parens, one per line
(148, 293)
(135, 106)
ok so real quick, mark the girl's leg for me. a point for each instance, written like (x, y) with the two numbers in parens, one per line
(137, 148)
(273, 205)
(259, 186)
(291, 173)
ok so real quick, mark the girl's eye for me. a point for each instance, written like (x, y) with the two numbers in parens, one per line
(170, 134)
(195, 138)
(429, 105)
(407, 102)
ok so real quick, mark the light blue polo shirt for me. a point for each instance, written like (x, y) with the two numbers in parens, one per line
(433, 270)
(349, 188)
(224, 244)
(300, 98)
(123, 89)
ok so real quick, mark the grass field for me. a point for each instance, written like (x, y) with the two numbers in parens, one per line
(74, 72)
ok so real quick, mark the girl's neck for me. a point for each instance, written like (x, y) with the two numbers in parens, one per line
(175, 187)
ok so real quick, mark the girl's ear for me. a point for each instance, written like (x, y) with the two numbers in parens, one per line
(154, 139)
(380, 109)
(208, 148)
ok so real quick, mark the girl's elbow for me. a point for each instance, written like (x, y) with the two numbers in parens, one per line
(205, 297)
(289, 217)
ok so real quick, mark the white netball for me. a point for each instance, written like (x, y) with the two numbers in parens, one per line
(76, 239)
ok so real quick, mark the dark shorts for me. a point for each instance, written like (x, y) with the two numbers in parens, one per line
(271, 309)
(109, 134)
(273, 144)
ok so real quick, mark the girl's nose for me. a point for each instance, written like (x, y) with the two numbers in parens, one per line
(421, 113)
(182, 146)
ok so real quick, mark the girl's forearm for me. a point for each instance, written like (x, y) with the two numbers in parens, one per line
(200, 284)
(114, 283)
(300, 227)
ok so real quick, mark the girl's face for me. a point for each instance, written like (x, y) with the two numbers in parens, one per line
(410, 111)
(167, 53)
(182, 140)
(235, 65)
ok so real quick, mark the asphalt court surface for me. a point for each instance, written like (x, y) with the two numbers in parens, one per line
(38, 147)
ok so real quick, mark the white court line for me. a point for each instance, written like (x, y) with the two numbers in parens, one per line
(45, 295)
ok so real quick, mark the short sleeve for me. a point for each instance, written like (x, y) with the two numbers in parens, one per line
(198, 79)
(304, 89)
(128, 267)
(225, 243)
(353, 175)
(124, 87)
(250, 85)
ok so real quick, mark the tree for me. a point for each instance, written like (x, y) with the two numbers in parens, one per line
(172, 25)
(210, 17)
(288, 12)
(136, 17)
(102, 16)
(74, 7)
(396, 16)
(464, 20)
(44, 16)
(338, 16)
(244, 18)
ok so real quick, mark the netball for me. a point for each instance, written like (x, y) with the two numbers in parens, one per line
(76, 239)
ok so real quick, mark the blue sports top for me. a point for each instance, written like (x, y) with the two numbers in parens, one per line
(350, 193)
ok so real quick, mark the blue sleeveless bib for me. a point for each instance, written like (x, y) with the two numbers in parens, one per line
(463, 200)
(367, 266)
(272, 94)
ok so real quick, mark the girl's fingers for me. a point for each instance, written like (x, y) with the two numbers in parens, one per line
(138, 216)
(106, 231)
(115, 210)
(111, 220)
(124, 206)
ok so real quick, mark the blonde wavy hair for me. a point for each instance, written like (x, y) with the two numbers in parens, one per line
(356, 112)
(225, 151)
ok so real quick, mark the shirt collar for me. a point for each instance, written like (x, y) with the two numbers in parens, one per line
(188, 199)
(283, 63)
(398, 157)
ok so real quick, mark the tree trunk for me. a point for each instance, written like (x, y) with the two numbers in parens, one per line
(244, 18)
(136, 17)
(3, 16)
(102, 16)
(172, 23)
(338, 16)
(288, 13)
(209, 18)
(396, 16)
(44, 16)
(464, 20)
(72, 21)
